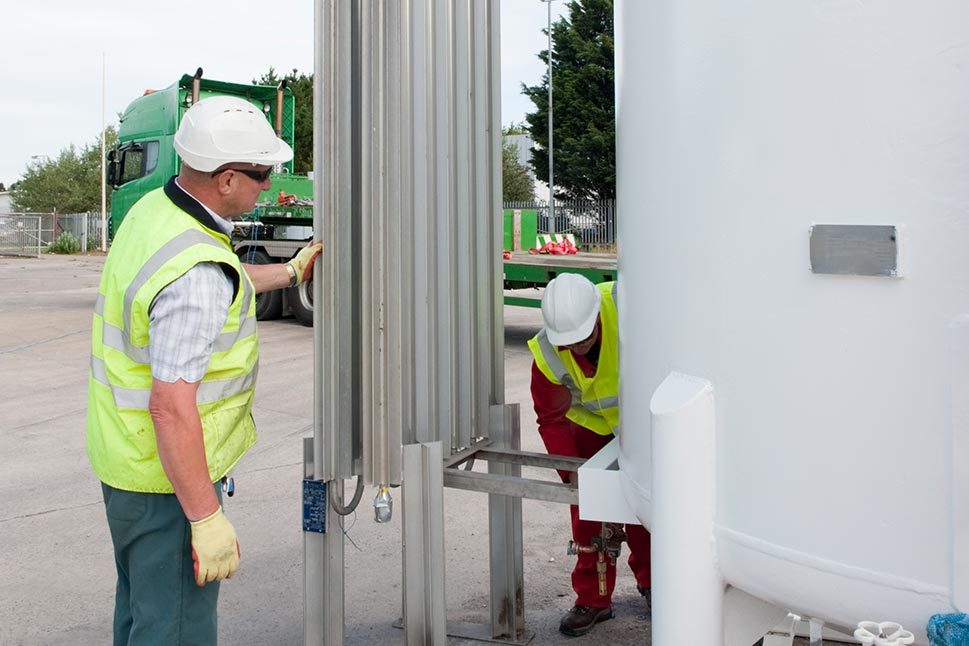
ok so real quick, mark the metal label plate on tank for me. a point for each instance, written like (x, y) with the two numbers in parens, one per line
(854, 249)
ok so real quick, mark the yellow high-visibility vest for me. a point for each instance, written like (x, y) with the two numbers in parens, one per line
(595, 400)
(157, 243)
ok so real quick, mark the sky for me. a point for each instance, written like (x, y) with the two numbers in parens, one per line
(56, 53)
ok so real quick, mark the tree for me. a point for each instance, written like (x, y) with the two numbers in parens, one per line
(71, 183)
(3, 188)
(302, 87)
(583, 94)
(516, 183)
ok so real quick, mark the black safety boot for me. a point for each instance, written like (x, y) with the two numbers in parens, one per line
(580, 619)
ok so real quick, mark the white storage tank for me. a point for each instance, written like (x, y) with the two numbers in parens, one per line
(794, 188)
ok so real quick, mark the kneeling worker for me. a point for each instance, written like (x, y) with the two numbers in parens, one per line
(575, 389)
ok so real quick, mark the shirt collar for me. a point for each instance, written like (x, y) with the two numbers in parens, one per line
(194, 207)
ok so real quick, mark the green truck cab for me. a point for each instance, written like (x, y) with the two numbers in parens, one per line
(145, 159)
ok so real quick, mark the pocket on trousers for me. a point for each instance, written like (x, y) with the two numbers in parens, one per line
(124, 505)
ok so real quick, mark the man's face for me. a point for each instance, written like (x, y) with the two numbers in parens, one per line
(582, 347)
(246, 182)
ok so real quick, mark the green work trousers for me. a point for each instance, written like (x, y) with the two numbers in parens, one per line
(157, 602)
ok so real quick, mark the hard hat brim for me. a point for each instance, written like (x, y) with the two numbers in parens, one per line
(577, 335)
(208, 163)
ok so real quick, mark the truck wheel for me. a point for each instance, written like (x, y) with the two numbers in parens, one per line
(269, 305)
(301, 302)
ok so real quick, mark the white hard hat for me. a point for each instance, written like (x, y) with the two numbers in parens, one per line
(570, 306)
(221, 129)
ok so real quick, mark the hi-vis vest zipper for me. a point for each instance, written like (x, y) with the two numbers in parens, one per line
(157, 243)
(595, 400)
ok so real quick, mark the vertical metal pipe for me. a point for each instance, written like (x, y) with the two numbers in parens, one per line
(421, 182)
(280, 90)
(444, 345)
(551, 170)
(367, 288)
(461, 120)
(491, 333)
(336, 220)
(333, 375)
(196, 85)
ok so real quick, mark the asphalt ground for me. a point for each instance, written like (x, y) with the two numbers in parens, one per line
(56, 566)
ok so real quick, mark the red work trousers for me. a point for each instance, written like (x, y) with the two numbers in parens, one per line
(584, 443)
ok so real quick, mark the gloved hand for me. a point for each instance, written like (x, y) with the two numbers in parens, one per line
(215, 548)
(302, 262)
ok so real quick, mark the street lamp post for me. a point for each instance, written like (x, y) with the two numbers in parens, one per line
(551, 173)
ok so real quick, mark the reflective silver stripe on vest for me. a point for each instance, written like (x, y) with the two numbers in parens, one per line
(600, 405)
(208, 392)
(113, 337)
(554, 361)
(120, 339)
(609, 402)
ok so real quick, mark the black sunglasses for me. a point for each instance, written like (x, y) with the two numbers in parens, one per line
(257, 175)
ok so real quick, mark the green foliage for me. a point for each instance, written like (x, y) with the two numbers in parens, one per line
(302, 87)
(515, 129)
(516, 184)
(65, 243)
(583, 95)
(70, 183)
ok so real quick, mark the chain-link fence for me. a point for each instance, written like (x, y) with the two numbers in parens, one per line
(85, 227)
(591, 222)
(28, 234)
(21, 234)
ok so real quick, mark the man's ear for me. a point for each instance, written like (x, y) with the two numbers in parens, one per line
(225, 183)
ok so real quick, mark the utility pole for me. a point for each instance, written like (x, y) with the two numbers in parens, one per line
(104, 190)
(551, 173)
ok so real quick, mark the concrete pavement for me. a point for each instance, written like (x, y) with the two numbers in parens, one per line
(56, 566)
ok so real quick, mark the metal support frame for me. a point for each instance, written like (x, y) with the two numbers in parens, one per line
(323, 576)
(505, 533)
(425, 612)
(506, 488)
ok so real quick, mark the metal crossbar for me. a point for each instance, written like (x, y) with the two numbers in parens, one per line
(514, 486)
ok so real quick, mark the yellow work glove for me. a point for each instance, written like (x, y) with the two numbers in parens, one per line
(215, 548)
(302, 263)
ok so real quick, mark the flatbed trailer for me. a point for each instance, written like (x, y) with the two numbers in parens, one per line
(527, 270)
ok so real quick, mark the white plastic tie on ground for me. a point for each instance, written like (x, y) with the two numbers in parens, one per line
(885, 633)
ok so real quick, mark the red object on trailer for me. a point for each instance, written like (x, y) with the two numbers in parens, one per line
(562, 248)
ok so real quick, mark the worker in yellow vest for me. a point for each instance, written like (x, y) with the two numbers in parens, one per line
(575, 389)
(173, 369)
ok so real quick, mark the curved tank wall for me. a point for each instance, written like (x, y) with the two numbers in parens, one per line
(842, 400)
